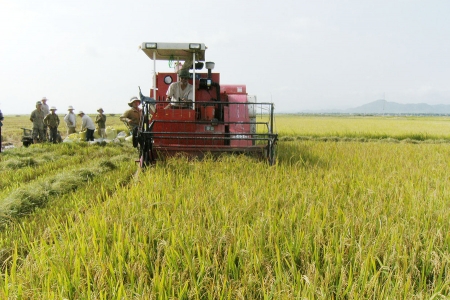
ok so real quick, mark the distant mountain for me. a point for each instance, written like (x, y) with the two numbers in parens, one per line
(385, 107)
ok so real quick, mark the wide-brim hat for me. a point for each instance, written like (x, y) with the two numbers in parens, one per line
(100, 109)
(39, 103)
(52, 108)
(70, 108)
(183, 73)
(80, 112)
(44, 99)
(130, 103)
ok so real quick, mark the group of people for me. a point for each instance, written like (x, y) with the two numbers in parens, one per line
(46, 121)
(87, 124)
(42, 118)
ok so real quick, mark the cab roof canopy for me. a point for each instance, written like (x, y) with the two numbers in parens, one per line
(174, 51)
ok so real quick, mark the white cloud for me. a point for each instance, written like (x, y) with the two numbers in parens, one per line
(14, 21)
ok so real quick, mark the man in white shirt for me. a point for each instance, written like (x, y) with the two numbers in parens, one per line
(45, 107)
(71, 121)
(180, 93)
(46, 111)
(88, 124)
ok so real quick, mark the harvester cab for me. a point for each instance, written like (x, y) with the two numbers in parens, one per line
(217, 118)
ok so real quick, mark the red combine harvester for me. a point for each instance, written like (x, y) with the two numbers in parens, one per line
(221, 118)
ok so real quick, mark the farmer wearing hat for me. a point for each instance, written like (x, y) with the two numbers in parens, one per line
(88, 125)
(52, 121)
(71, 121)
(46, 111)
(180, 93)
(45, 107)
(37, 117)
(101, 123)
(132, 116)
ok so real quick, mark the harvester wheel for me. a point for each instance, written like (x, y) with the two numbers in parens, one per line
(135, 137)
(146, 158)
(271, 153)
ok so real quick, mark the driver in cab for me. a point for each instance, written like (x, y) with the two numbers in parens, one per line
(180, 93)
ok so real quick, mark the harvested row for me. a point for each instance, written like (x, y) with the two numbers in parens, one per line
(18, 167)
(56, 182)
(47, 224)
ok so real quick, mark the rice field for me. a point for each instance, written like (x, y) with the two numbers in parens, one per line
(362, 128)
(356, 209)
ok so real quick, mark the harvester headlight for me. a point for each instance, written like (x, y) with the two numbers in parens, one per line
(195, 46)
(151, 45)
(210, 65)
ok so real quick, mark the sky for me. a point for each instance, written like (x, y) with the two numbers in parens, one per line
(301, 54)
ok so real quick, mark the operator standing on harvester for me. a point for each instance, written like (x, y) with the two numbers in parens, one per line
(180, 93)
